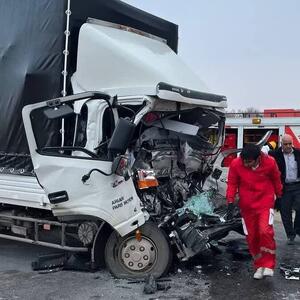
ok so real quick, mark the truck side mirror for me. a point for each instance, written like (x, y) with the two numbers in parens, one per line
(61, 111)
(121, 137)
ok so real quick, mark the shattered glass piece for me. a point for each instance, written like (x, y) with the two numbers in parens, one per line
(199, 204)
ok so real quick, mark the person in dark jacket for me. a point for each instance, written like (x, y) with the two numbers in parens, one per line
(288, 161)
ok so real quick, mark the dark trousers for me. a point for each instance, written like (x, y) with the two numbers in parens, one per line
(291, 201)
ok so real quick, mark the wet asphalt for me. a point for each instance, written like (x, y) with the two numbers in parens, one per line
(220, 274)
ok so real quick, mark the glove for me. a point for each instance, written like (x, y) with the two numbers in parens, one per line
(230, 208)
(277, 205)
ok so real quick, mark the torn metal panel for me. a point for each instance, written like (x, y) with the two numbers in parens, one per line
(176, 126)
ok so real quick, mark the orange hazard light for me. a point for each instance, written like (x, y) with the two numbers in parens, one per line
(146, 179)
(256, 121)
(147, 183)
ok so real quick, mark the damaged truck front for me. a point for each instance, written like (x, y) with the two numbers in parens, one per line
(120, 166)
(137, 163)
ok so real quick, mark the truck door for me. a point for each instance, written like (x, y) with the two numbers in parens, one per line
(60, 168)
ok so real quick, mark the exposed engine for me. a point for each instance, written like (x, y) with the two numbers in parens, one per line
(180, 148)
(174, 154)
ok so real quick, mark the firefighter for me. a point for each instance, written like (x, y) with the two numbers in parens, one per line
(256, 178)
(288, 161)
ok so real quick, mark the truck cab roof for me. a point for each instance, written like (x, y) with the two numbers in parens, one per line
(121, 61)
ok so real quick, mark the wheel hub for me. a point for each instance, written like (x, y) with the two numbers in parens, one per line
(138, 255)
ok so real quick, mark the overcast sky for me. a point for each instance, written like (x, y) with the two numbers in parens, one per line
(248, 50)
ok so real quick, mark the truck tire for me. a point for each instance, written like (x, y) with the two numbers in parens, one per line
(126, 257)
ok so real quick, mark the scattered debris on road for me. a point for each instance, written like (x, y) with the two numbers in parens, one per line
(55, 262)
(289, 272)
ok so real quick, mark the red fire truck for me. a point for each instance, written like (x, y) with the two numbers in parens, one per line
(243, 128)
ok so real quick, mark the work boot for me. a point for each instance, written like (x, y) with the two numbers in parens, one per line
(268, 272)
(259, 273)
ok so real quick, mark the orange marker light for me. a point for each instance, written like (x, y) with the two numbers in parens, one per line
(146, 179)
(138, 235)
(256, 121)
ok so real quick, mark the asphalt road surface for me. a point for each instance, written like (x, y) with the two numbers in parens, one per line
(212, 275)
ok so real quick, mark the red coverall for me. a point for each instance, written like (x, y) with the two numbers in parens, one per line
(256, 188)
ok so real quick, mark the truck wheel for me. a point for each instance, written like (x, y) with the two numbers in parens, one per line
(126, 257)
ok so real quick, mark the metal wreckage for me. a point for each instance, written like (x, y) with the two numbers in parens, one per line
(174, 155)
